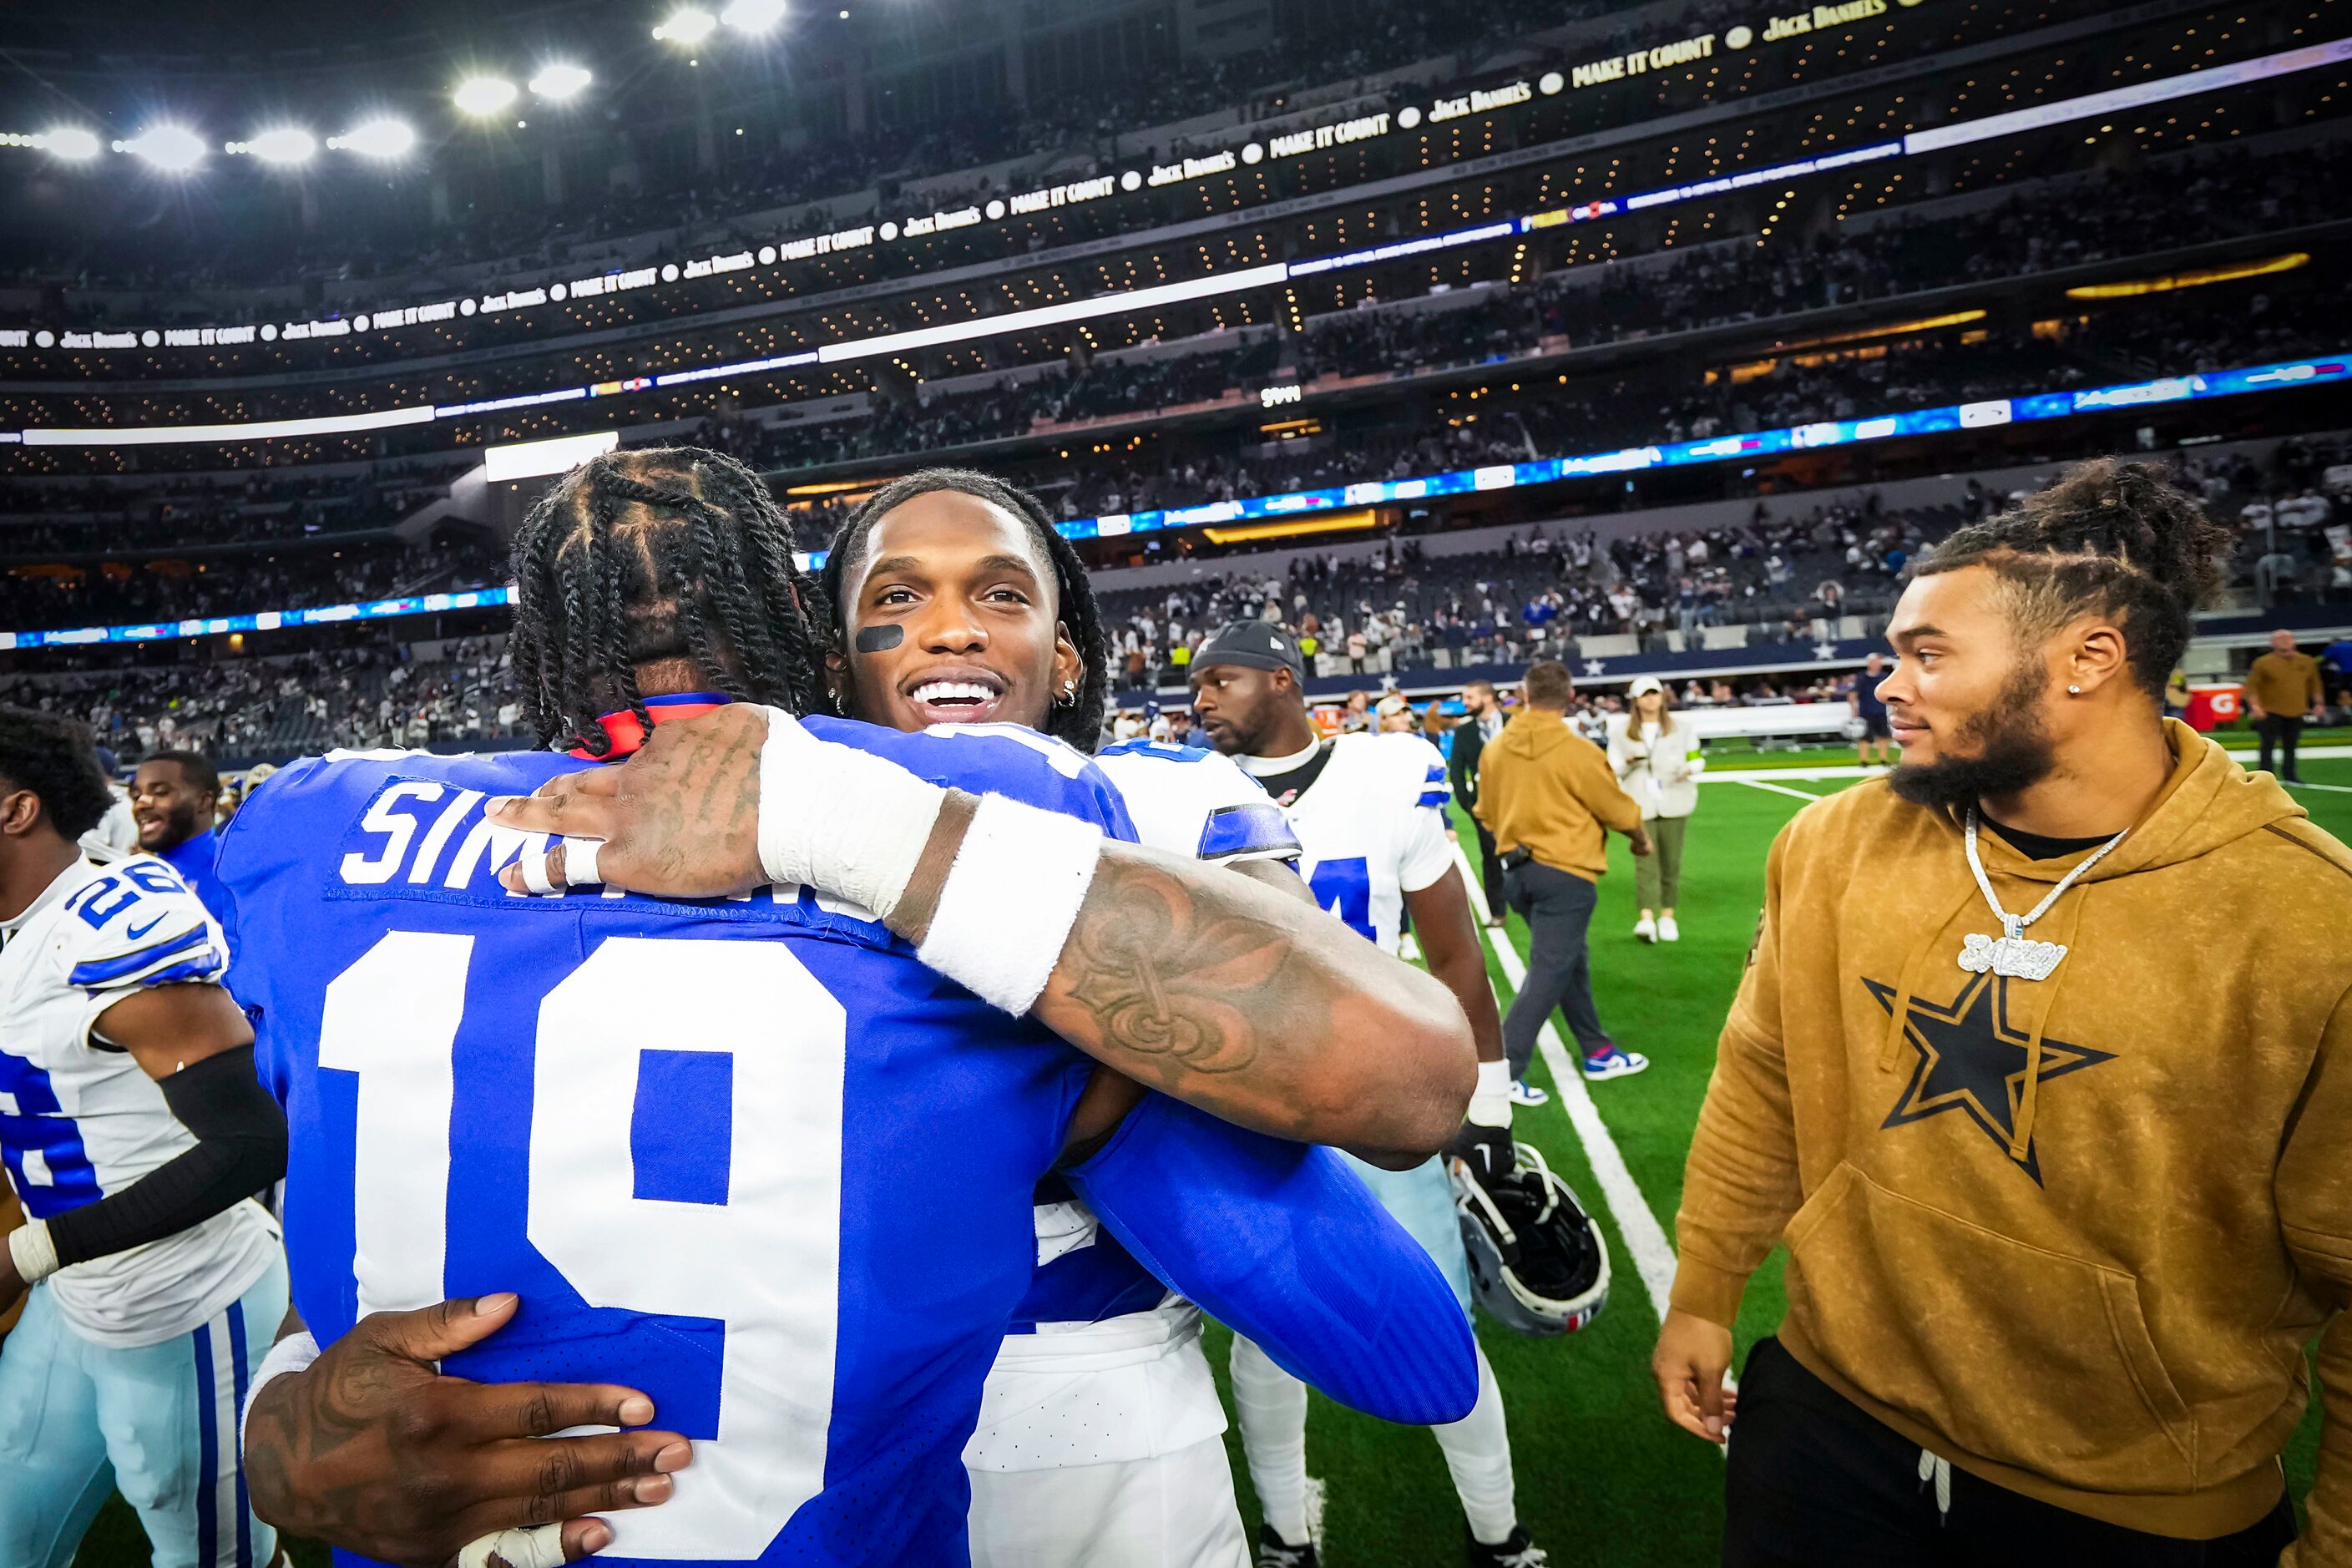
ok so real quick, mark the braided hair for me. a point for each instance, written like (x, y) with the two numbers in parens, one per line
(2109, 539)
(666, 552)
(1077, 721)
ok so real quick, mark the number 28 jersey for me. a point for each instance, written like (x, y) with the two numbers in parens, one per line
(746, 1155)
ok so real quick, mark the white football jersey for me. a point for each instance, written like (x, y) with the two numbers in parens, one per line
(1197, 804)
(80, 1120)
(1372, 828)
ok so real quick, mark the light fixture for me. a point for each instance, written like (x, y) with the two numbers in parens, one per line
(171, 147)
(689, 25)
(72, 143)
(483, 94)
(282, 144)
(558, 82)
(385, 138)
(753, 15)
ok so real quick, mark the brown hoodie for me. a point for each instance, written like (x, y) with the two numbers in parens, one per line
(2071, 1235)
(1546, 789)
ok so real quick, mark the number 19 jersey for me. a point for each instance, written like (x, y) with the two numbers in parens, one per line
(746, 1155)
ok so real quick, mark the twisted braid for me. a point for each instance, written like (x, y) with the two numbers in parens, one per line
(664, 554)
(2111, 539)
(1078, 721)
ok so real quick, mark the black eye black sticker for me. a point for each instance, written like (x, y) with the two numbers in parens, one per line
(878, 639)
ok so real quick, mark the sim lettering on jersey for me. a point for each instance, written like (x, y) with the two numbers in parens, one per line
(1372, 828)
(79, 1122)
(1189, 802)
(745, 1155)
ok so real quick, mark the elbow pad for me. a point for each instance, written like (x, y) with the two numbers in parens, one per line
(240, 1149)
(1282, 1242)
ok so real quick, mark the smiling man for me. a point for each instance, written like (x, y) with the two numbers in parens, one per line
(173, 798)
(2049, 1108)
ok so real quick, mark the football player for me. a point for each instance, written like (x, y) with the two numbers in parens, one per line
(175, 797)
(673, 564)
(1100, 1442)
(135, 1133)
(1370, 812)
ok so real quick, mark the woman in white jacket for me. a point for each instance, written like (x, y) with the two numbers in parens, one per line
(1656, 753)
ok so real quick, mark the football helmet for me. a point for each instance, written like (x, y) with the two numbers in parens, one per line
(1537, 1263)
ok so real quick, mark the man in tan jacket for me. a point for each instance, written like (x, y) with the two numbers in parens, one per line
(2064, 1173)
(2282, 689)
(1549, 796)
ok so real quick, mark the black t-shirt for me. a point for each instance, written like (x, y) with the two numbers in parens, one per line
(2039, 846)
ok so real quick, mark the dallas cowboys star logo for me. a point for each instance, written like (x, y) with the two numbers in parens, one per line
(1972, 1060)
(1594, 666)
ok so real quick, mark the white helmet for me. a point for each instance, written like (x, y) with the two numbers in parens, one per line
(1538, 1262)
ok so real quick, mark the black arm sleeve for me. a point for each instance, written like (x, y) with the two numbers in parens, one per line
(240, 1149)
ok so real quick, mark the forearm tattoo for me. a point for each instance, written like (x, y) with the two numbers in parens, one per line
(1173, 983)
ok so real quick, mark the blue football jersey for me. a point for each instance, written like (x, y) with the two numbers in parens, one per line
(746, 1155)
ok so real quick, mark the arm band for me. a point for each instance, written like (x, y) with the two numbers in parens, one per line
(240, 1149)
(1286, 1245)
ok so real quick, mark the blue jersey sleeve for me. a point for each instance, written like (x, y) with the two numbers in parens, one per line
(995, 759)
(1282, 1242)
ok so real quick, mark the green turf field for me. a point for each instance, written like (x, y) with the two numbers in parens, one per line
(1603, 1477)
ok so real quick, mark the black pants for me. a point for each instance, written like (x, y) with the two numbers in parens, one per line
(1813, 1482)
(1490, 869)
(1558, 908)
(2277, 728)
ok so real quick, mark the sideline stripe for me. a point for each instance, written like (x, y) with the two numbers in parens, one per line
(1780, 789)
(2332, 789)
(1646, 1238)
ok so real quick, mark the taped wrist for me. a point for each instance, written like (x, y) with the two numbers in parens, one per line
(1490, 1101)
(293, 1354)
(240, 1149)
(840, 820)
(33, 1253)
(1010, 900)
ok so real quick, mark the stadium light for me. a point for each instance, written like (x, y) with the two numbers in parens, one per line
(282, 144)
(483, 95)
(558, 82)
(385, 137)
(71, 143)
(687, 27)
(753, 15)
(175, 149)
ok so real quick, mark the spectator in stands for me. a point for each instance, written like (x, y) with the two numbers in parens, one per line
(2283, 689)
(1656, 753)
(1357, 714)
(1549, 797)
(1394, 716)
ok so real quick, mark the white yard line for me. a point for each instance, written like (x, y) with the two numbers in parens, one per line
(1778, 789)
(1646, 1238)
(2332, 789)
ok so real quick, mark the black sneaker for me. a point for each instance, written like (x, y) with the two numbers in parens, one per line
(1273, 1551)
(1515, 1552)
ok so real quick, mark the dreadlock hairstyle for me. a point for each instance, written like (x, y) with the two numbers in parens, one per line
(667, 553)
(2109, 539)
(1077, 721)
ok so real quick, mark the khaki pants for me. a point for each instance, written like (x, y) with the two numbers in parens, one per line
(1658, 876)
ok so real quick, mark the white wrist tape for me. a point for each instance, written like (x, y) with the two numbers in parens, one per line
(541, 1546)
(840, 820)
(1010, 900)
(295, 1352)
(1490, 1102)
(32, 1251)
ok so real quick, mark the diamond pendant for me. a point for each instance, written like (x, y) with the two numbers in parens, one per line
(2011, 957)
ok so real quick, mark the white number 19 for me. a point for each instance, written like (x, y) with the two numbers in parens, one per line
(767, 1261)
